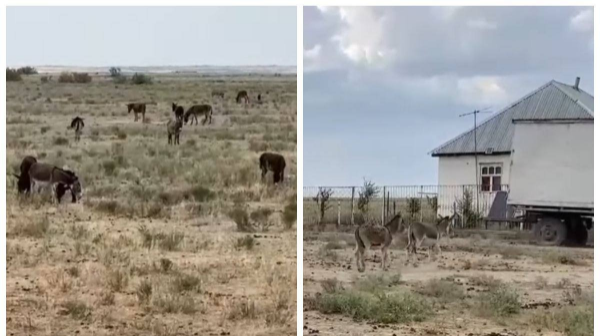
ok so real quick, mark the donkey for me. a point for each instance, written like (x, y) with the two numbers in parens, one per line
(77, 124)
(273, 162)
(196, 110)
(137, 108)
(242, 95)
(24, 183)
(369, 236)
(173, 130)
(218, 94)
(178, 110)
(44, 175)
(418, 232)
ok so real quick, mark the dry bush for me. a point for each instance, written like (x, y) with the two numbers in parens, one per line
(12, 75)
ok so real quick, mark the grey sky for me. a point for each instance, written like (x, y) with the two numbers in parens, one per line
(105, 36)
(384, 86)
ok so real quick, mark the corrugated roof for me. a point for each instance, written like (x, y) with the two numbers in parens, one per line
(553, 100)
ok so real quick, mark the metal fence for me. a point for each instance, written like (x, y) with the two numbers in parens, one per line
(420, 202)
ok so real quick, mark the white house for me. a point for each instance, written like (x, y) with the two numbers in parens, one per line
(457, 159)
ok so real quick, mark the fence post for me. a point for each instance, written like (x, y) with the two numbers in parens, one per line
(421, 205)
(352, 208)
(387, 205)
(395, 208)
(339, 214)
(383, 209)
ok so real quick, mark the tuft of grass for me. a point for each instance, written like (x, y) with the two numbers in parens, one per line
(562, 258)
(244, 309)
(165, 265)
(35, 229)
(240, 216)
(393, 308)
(485, 280)
(499, 302)
(78, 310)
(144, 291)
(327, 254)
(60, 141)
(289, 213)
(168, 242)
(174, 303)
(246, 243)
(443, 290)
(186, 283)
(117, 280)
(331, 285)
(107, 298)
(73, 271)
(377, 283)
(139, 78)
(78, 231)
(577, 320)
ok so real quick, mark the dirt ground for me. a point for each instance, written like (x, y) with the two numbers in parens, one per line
(167, 240)
(544, 279)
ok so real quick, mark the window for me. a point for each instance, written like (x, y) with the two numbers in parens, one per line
(491, 177)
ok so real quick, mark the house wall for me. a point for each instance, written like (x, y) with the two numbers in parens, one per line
(459, 171)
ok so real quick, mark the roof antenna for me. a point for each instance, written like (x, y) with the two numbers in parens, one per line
(474, 113)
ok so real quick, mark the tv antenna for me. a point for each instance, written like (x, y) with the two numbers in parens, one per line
(475, 113)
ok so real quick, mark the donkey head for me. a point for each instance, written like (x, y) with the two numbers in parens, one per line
(173, 107)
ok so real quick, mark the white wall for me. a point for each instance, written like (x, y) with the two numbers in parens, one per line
(553, 164)
(460, 170)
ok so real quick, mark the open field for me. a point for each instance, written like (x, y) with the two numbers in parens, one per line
(479, 285)
(168, 240)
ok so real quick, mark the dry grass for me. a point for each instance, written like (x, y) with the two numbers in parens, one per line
(152, 248)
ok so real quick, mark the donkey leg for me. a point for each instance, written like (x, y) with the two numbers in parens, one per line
(359, 257)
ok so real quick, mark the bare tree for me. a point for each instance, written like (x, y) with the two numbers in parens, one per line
(365, 196)
(322, 200)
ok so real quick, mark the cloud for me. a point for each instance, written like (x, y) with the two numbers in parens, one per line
(482, 24)
(313, 53)
(361, 35)
(583, 21)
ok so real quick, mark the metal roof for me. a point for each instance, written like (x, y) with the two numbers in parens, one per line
(553, 100)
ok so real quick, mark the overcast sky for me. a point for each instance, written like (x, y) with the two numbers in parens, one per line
(384, 86)
(106, 36)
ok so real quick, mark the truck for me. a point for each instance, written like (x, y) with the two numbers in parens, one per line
(552, 179)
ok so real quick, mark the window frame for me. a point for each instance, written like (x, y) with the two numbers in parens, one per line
(490, 176)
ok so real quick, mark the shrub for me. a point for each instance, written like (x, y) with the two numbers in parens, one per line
(394, 308)
(500, 302)
(27, 70)
(141, 79)
(81, 77)
(76, 309)
(246, 242)
(13, 75)
(75, 77)
(289, 213)
(144, 291)
(65, 77)
(115, 72)
(186, 283)
(240, 216)
(445, 291)
(60, 141)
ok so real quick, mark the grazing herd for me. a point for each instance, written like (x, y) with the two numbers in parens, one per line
(371, 236)
(35, 176)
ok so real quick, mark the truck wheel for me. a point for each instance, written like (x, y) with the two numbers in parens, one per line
(550, 231)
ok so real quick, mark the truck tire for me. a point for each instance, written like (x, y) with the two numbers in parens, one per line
(550, 231)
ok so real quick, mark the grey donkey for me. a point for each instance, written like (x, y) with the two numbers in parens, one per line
(173, 130)
(43, 175)
(369, 236)
(418, 232)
